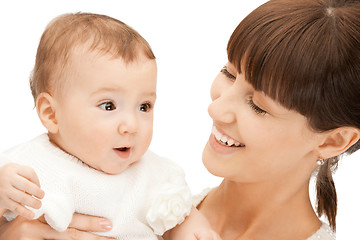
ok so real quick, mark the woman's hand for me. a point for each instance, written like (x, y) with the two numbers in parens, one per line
(79, 229)
(19, 187)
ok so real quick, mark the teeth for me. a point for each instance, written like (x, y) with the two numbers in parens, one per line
(224, 139)
(227, 141)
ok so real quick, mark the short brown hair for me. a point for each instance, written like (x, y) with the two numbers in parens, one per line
(305, 54)
(64, 33)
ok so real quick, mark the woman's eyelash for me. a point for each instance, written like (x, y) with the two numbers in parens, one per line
(255, 107)
(227, 74)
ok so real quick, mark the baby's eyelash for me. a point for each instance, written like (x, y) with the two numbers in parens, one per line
(146, 107)
(227, 74)
(255, 107)
(107, 106)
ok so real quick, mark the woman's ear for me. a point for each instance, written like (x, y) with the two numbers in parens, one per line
(45, 106)
(337, 141)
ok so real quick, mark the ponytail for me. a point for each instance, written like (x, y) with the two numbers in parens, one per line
(326, 192)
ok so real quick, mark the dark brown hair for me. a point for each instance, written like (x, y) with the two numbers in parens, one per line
(102, 33)
(305, 54)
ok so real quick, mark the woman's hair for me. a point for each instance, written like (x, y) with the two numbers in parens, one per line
(66, 32)
(305, 54)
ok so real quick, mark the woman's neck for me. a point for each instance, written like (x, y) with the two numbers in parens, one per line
(261, 210)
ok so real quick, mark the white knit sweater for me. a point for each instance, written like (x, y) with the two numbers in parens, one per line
(143, 202)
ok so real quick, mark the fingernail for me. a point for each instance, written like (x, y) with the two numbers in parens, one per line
(106, 224)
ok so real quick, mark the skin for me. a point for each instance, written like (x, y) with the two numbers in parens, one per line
(79, 229)
(106, 98)
(19, 187)
(265, 191)
(112, 100)
(260, 197)
(264, 194)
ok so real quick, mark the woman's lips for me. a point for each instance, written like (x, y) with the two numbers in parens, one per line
(225, 140)
(224, 144)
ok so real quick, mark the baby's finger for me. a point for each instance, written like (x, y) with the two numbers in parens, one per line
(206, 235)
(203, 236)
(216, 236)
(23, 184)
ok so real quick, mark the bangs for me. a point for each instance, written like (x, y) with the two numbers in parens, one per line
(293, 54)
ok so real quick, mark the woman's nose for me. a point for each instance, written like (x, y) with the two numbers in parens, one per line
(128, 123)
(223, 106)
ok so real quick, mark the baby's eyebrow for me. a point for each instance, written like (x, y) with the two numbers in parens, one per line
(106, 89)
(151, 94)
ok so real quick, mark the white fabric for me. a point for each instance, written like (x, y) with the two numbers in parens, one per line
(323, 233)
(144, 201)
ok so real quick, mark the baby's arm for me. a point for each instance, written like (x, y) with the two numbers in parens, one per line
(194, 227)
(19, 187)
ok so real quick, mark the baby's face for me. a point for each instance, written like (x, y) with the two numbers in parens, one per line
(105, 111)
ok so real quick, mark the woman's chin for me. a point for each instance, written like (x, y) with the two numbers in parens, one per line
(211, 162)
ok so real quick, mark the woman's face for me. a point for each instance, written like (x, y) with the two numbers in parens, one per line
(254, 138)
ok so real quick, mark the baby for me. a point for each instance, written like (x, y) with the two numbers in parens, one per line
(94, 85)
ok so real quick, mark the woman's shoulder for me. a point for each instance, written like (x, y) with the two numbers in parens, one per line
(324, 233)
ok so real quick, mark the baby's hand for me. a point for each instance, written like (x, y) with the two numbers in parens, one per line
(19, 187)
(207, 235)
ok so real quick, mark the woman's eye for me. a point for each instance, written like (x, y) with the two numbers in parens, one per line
(227, 74)
(145, 107)
(107, 106)
(256, 108)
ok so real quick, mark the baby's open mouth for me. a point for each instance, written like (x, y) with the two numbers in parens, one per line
(123, 152)
(123, 149)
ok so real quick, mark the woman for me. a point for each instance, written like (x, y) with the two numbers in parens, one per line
(284, 106)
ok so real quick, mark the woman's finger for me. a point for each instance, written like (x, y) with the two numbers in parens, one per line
(22, 211)
(27, 185)
(28, 173)
(2, 211)
(90, 223)
(40, 230)
(74, 234)
(25, 199)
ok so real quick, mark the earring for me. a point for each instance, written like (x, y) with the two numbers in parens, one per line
(320, 161)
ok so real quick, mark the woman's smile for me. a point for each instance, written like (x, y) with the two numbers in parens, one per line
(224, 144)
(225, 140)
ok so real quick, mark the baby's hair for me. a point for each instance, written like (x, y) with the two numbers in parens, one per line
(305, 55)
(66, 32)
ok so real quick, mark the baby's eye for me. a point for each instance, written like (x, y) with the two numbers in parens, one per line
(145, 107)
(107, 106)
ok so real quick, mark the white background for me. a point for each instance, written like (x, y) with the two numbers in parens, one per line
(189, 40)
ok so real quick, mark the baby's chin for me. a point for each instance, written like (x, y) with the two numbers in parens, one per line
(114, 170)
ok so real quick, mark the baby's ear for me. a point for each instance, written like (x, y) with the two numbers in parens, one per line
(337, 141)
(45, 106)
